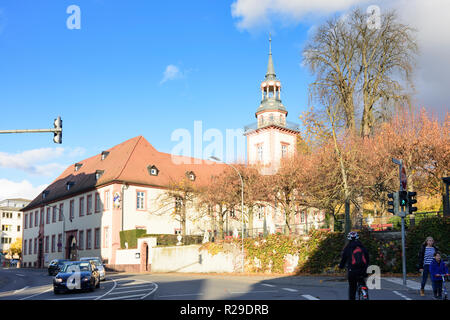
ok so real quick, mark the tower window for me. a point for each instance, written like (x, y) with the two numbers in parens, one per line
(283, 151)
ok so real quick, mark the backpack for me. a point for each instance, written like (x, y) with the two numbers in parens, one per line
(358, 258)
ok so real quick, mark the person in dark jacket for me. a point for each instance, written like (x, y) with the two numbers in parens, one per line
(355, 258)
(437, 270)
(426, 254)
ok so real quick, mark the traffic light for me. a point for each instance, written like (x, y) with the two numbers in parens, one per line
(403, 198)
(411, 201)
(57, 134)
(394, 203)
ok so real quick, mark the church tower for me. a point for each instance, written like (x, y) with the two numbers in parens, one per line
(272, 137)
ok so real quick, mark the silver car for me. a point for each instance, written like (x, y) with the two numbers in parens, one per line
(98, 263)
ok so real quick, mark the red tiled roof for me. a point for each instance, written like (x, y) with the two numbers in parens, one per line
(127, 162)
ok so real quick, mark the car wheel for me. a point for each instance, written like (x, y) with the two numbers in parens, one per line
(56, 291)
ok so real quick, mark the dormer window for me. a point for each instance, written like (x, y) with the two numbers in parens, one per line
(78, 166)
(98, 174)
(153, 170)
(104, 155)
(45, 194)
(190, 175)
(69, 185)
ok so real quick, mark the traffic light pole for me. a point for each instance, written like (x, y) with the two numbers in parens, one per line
(402, 215)
(57, 131)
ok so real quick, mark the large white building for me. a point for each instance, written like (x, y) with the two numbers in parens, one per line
(83, 211)
(11, 221)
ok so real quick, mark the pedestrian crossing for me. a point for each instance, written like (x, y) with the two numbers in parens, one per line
(130, 289)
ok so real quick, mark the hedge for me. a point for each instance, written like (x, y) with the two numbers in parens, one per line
(171, 239)
(131, 236)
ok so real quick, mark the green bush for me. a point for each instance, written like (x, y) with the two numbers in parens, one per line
(436, 227)
(130, 236)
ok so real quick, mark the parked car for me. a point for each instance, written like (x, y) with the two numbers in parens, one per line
(98, 263)
(77, 275)
(55, 266)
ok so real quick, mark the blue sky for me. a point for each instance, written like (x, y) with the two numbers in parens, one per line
(107, 82)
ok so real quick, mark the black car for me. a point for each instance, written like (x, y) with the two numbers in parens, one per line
(55, 266)
(77, 275)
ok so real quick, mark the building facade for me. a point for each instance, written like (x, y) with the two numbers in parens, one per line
(11, 221)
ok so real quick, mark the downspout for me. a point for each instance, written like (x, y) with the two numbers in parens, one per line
(124, 187)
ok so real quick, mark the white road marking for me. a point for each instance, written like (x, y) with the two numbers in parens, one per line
(20, 275)
(124, 297)
(409, 283)
(20, 290)
(289, 289)
(119, 287)
(401, 295)
(115, 284)
(122, 292)
(309, 297)
(181, 295)
(246, 292)
(36, 294)
(76, 298)
(268, 285)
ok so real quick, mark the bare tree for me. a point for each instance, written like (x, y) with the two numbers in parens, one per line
(366, 69)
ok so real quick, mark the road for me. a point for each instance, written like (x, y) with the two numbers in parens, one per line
(32, 284)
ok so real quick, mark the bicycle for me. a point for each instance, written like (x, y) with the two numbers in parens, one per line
(444, 289)
(362, 291)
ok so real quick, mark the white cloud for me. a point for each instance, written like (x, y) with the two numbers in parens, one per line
(260, 13)
(430, 18)
(29, 160)
(23, 189)
(172, 72)
(36, 161)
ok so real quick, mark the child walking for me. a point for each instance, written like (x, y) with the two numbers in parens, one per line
(437, 270)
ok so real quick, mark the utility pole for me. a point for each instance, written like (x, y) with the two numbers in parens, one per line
(57, 130)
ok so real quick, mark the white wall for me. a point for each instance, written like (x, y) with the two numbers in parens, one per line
(190, 259)
(127, 256)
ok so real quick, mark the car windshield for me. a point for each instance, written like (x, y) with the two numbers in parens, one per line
(76, 267)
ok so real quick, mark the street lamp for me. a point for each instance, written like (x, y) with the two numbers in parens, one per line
(242, 204)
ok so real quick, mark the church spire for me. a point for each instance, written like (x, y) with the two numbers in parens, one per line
(270, 75)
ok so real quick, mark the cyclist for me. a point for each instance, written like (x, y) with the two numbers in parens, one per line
(356, 258)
